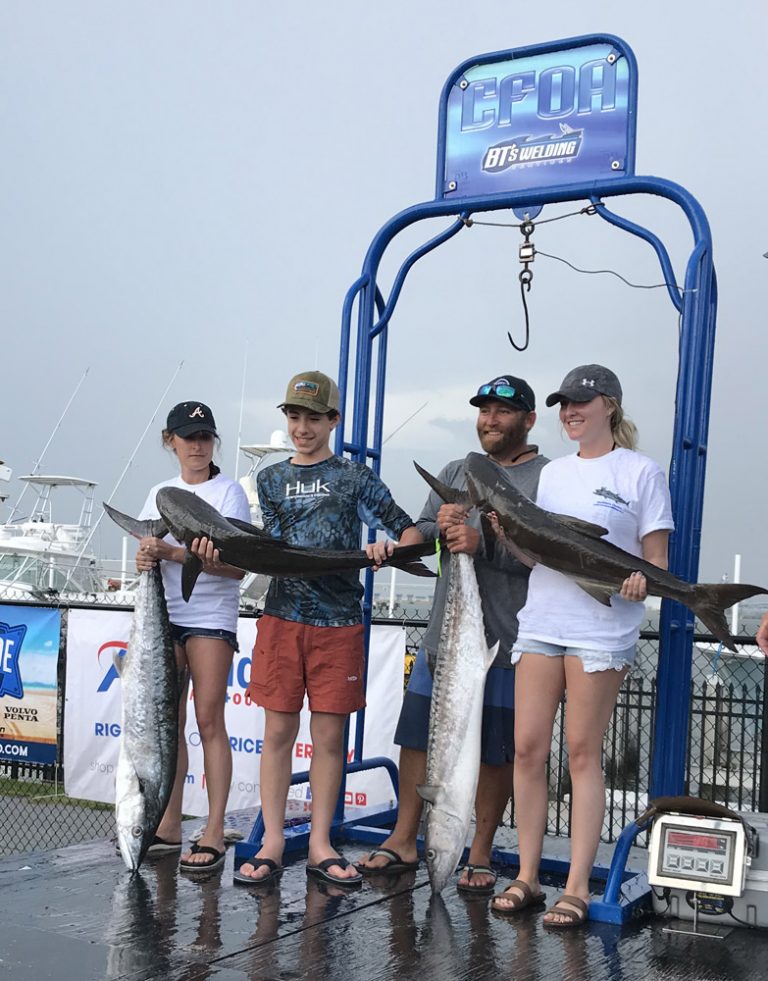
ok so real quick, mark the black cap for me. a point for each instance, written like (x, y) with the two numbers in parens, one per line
(188, 418)
(584, 383)
(508, 389)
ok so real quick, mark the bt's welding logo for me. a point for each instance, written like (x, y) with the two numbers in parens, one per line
(11, 639)
(526, 150)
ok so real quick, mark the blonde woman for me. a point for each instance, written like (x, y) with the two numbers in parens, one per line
(569, 643)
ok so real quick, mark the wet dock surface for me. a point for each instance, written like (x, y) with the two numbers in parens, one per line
(76, 913)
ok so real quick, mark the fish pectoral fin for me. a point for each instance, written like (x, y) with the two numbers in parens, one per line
(430, 794)
(489, 536)
(597, 591)
(587, 527)
(190, 570)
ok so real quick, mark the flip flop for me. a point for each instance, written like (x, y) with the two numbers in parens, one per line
(160, 846)
(518, 903)
(468, 889)
(230, 834)
(573, 917)
(217, 859)
(275, 871)
(395, 866)
(320, 871)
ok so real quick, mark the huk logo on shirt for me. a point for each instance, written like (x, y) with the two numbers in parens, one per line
(315, 489)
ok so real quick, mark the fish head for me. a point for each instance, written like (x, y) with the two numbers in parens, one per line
(445, 841)
(134, 834)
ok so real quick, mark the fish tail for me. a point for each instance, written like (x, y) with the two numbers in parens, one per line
(711, 600)
(154, 528)
(448, 494)
(406, 557)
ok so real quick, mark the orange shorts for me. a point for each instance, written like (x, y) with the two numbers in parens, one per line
(290, 658)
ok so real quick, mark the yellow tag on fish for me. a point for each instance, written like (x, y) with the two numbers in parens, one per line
(437, 553)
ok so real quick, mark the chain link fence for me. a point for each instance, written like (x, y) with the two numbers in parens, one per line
(727, 759)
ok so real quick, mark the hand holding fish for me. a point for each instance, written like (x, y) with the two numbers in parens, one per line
(449, 516)
(208, 554)
(634, 588)
(153, 550)
(379, 552)
(462, 538)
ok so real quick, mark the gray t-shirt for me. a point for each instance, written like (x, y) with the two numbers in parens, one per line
(502, 579)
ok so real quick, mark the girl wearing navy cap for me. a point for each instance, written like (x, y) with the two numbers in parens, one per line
(569, 642)
(204, 629)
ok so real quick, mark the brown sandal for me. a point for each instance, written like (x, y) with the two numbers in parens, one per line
(517, 903)
(573, 917)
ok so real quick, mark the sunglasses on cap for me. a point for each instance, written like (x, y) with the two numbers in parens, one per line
(504, 392)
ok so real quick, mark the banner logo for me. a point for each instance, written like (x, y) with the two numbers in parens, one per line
(524, 150)
(11, 639)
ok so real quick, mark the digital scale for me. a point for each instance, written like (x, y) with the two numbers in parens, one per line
(701, 868)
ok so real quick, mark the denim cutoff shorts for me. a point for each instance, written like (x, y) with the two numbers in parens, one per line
(591, 659)
(181, 635)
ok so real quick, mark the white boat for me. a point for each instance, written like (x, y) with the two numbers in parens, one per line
(42, 558)
(45, 559)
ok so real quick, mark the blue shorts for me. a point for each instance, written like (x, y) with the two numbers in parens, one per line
(591, 660)
(181, 635)
(498, 726)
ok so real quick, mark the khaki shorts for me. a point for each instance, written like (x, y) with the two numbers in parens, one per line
(292, 658)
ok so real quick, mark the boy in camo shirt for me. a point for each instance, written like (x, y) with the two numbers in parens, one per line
(311, 635)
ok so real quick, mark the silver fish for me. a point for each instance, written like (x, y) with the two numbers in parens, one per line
(146, 766)
(455, 722)
(578, 549)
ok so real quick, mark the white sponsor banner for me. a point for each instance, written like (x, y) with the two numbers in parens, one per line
(93, 707)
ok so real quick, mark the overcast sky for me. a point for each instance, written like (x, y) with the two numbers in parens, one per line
(200, 182)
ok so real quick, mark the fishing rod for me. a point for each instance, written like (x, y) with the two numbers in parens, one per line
(39, 460)
(122, 475)
(240, 421)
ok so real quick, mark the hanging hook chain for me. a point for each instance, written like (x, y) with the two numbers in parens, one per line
(526, 254)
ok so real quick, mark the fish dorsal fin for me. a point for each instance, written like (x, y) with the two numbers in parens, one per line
(597, 591)
(430, 794)
(190, 570)
(587, 527)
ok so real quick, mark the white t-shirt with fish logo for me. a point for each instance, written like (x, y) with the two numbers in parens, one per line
(623, 491)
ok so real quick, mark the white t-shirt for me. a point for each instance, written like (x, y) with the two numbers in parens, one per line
(622, 491)
(215, 600)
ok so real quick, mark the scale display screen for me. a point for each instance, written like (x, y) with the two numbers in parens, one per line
(690, 854)
(698, 853)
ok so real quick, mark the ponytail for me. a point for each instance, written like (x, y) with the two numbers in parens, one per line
(623, 429)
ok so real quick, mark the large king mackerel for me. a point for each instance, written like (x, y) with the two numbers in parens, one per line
(578, 549)
(146, 766)
(455, 722)
(245, 546)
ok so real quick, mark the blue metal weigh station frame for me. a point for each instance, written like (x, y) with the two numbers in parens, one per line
(360, 435)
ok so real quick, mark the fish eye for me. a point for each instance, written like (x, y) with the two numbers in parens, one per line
(431, 854)
(136, 831)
